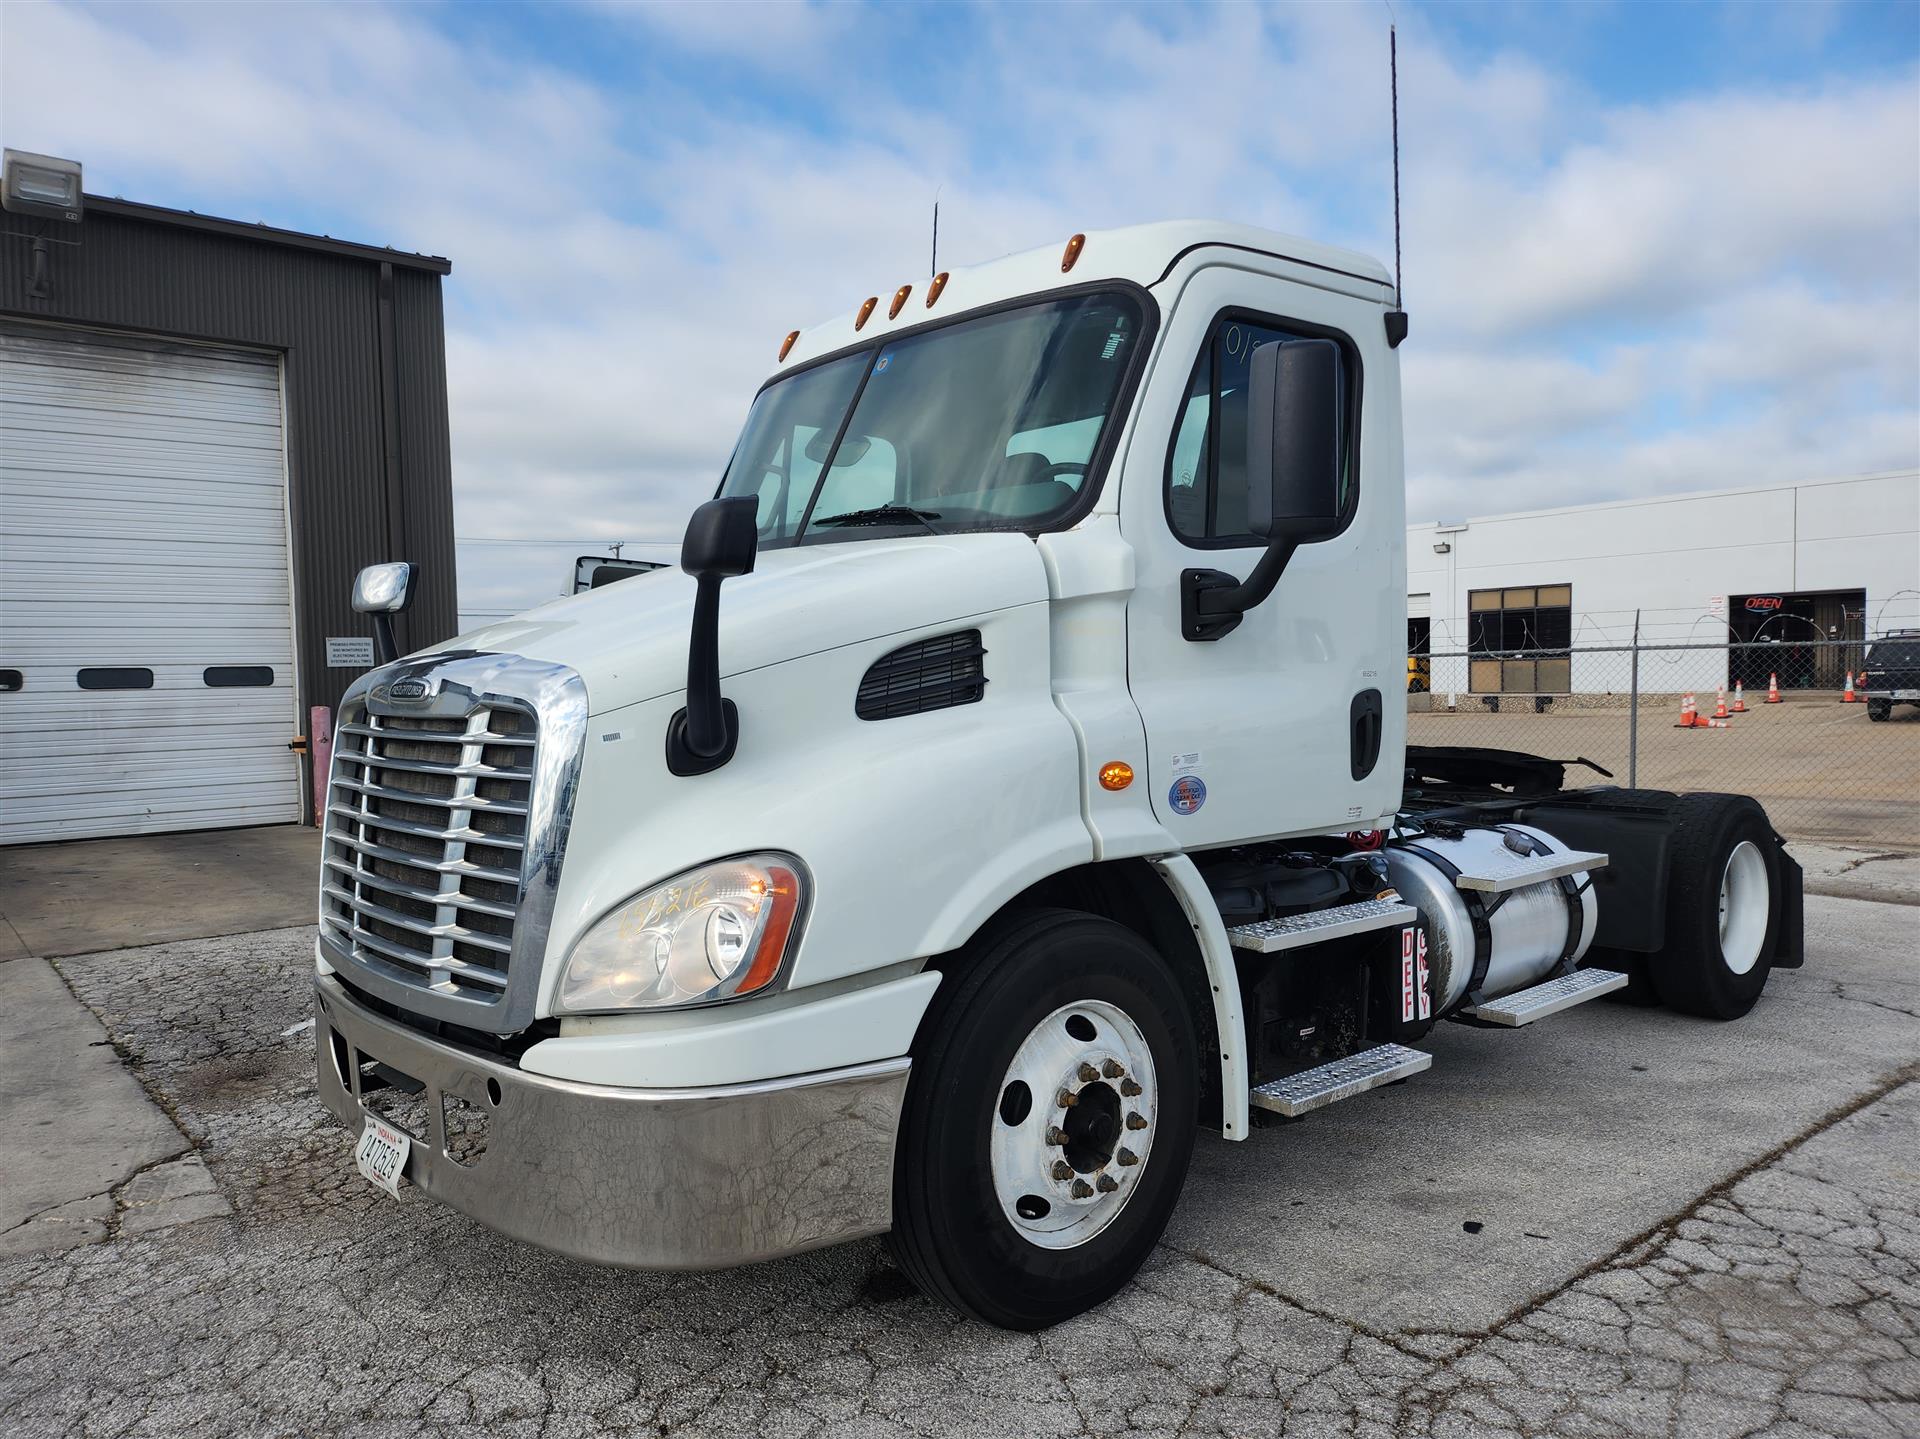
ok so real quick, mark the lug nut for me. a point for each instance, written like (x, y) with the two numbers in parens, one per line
(1066, 1099)
(1106, 1184)
(1088, 1074)
(1129, 1088)
(1056, 1135)
(1081, 1189)
(1062, 1169)
(1136, 1121)
(1111, 1068)
(1127, 1158)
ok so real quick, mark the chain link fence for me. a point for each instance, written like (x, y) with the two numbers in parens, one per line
(1827, 770)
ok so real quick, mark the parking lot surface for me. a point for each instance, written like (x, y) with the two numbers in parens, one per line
(1617, 1222)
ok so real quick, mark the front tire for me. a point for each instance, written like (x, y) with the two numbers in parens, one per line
(1048, 1123)
(1723, 907)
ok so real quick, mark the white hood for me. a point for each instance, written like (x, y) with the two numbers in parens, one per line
(628, 640)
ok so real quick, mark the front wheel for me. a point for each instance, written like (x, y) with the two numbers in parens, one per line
(1048, 1122)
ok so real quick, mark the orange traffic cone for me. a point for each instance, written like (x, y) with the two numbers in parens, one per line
(1720, 703)
(1739, 698)
(1773, 689)
(1689, 715)
(1849, 698)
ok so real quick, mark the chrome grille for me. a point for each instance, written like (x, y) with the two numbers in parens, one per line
(426, 843)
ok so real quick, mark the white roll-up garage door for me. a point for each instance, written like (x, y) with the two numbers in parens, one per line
(146, 631)
(1420, 607)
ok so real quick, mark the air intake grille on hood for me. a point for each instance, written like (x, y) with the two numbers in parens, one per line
(933, 674)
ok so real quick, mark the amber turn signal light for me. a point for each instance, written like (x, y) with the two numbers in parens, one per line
(866, 311)
(899, 299)
(933, 290)
(787, 344)
(1116, 774)
(1073, 253)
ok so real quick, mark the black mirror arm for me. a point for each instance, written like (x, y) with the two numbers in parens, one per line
(706, 723)
(1212, 602)
(702, 737)
(385, 648)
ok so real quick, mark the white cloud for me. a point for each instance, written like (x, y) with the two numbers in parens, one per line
(1606, 299)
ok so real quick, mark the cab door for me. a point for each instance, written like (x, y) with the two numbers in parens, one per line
(1295, 721)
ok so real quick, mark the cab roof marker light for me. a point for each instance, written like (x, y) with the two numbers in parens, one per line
(786, 345)
(1074, 246)
(866, 310)
(899, 299)
(933, 290)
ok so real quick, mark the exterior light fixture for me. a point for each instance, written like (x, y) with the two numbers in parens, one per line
(1442, 548)
(41, 185)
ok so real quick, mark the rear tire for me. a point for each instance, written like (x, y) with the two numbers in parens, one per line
(1879, 709)
(984, 1217)
(1723, 907)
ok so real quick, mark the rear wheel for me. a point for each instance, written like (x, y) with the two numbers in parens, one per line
(1879, 709)
(1723, 905)
(1048, 1123)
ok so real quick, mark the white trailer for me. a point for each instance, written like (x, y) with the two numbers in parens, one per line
(1011, 781)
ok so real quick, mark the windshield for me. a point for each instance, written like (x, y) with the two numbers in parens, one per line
(988, 423)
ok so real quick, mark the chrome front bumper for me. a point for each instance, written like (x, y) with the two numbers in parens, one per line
(647, 1178)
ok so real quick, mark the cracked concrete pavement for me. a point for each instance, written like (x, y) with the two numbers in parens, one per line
(1679, 1228)
(89, 1154)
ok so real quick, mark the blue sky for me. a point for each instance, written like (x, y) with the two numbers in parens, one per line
(1647, 247)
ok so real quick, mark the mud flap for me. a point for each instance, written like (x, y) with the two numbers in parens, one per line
(1790, 933)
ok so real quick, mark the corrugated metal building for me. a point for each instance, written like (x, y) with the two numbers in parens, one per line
(206, 429)
(1539, 602)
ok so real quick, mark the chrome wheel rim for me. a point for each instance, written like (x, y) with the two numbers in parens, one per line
(1744, 904)
(1073, 1124)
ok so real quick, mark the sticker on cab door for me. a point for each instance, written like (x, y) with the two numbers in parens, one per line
(1187, 794)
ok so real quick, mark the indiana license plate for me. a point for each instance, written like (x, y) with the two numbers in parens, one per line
(382, 1154)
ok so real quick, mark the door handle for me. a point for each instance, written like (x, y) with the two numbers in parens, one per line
(1366, 719)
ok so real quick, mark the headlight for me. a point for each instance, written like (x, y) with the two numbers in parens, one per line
(717, 932)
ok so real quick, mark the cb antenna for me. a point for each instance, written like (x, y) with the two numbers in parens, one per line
(1397, 317)
(934, 265)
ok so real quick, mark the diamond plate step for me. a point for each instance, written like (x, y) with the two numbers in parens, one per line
(1269, 936)
(1524, 1006)
(1516, 871)
(1356, 1074)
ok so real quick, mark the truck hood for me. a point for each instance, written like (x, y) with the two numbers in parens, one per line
(628, 640)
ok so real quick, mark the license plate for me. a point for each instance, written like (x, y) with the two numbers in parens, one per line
(382, 1154)
(1906, 694)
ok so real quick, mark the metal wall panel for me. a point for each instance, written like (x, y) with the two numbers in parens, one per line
(317, 303)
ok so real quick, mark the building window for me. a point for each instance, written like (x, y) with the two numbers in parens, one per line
(237, 676)
(1207, 465)
(1519, 640)
(115, 678)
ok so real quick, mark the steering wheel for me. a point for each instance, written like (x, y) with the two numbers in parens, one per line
(1057, 468)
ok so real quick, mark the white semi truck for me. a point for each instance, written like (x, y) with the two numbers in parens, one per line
(1011, 782)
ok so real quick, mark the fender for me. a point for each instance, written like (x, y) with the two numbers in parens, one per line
(1182, 876)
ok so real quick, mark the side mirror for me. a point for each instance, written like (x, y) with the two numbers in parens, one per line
(721, 542)
(1293, 440)
(1293, 478)
(383, 591)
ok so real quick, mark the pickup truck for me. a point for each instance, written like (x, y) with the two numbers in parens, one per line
(1009, 784)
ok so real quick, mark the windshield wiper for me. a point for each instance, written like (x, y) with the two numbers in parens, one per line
(886, 515)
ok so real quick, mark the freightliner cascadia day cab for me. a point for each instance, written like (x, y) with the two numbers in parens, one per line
(1011, 781)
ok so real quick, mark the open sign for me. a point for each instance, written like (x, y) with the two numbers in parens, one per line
(1763, 602)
